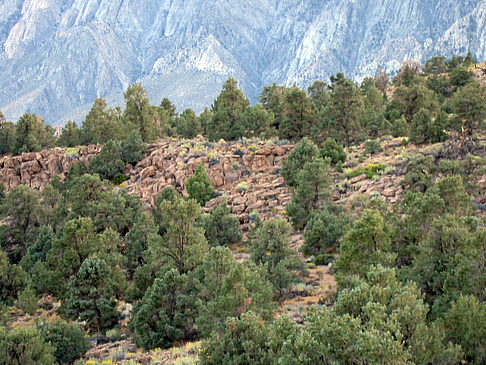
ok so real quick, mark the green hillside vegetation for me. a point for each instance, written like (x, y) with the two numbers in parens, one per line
(411, 276)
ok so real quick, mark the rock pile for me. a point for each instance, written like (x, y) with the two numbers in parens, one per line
(36, 169)
(247, 176)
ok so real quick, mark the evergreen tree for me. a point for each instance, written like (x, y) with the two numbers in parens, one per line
(133, 147)
(298, 115)
(12, 280)
(367, 243)
(257, 121)
(304, 152)
(32, 135)
(228, 109)
(469, 104)
(139, 113)
(272, 99)
(199, 186)
(183, 245)
(188, 124)
(70, 136)
(7, 136)
(270, 248)
(91, 295)
(220, 227)
(324, 230)
(108, 163)
(243, 342)
(166, 312)
(343, 115)
(312, 192)
(67, 339)
(101, 124)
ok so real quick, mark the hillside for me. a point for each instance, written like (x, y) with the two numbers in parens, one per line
(58, 56)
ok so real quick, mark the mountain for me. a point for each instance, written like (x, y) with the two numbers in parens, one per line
(57, 56)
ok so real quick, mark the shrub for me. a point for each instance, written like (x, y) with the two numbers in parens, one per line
(27, 300)
(133, 147)
(108, 162)
(119, 178)
(243, 342)
(270, 247)
(68, 340)
(24, 345)
(324, 230)
(420, 173)
(312, 191)
(199, 186)
(220, 227)
(164, 315)
(334, 151)
(304, 152)
(372, 146)
(370, 170)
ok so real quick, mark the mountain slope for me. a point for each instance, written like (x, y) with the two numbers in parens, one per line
(57, 56)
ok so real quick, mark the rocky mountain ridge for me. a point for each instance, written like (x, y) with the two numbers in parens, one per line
(58, 56)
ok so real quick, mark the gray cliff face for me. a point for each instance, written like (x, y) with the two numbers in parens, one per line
(57, 56)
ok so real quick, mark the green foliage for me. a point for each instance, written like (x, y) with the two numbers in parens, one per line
(76, 242)
(227, 113)
(199, 186)
(143, 234)
(304, 152)
(243, 342)
(343, 114)
(7, 136)
(166, 312)
(324, 230)
(101, 124)
(220, 227)
(70, 136)
(120, 178)
(133, 147)
(67, 339)
(270, 248)
(311, 192)
(420, 173)
(400, 127)
(426, 129)
(367, 243)
(27, 300)
(380, 315)
(22, 207)
(31, 135)
(469, 105)
(372, 146)
(466, 325)
(297, 115)
(12, 279)
(188, 124)
(24, 345)
(108, 163)
(91, 295)
(257, 121)
(183, 245)
(238, 288)
(334, 151)
(370, 170)
(139, 113)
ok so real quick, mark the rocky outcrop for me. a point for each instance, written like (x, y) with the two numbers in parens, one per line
(58, 56)
(36, 169)
(247, 176)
